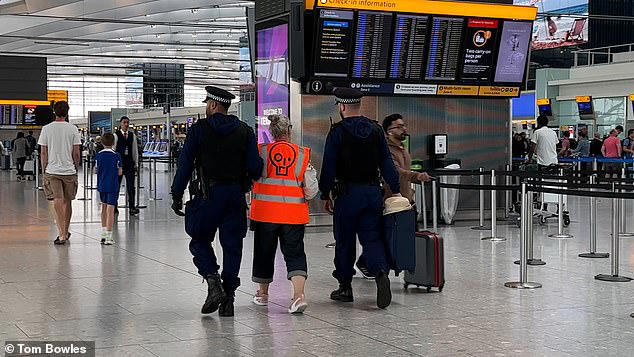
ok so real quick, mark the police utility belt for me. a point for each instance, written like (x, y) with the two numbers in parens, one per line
(341, 187)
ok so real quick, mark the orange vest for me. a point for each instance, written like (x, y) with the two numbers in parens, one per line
(278, 197)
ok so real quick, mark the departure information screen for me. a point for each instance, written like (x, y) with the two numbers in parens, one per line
(373, 37)
(333, 55)
(403, 53)
(444, 48)
(408, 49)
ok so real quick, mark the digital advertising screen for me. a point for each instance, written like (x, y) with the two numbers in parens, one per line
(334, 46)
(29, 114)
(408, 51)
(557, 29)
(99, 121)
(373, 36)
(513, 52)
(272, 77)
(479, 46)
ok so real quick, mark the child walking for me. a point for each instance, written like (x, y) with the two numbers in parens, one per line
(109, 171)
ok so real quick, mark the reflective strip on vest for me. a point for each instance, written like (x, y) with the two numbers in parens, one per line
(279, 182)
(300, 163)
(279, 199)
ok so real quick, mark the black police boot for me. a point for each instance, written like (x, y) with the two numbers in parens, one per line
(343, 294)
(383, 292)
(226, 306)
(215, 294)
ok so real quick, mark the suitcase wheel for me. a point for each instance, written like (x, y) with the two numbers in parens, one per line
(440, 288)
(405, 286)
(429, 289)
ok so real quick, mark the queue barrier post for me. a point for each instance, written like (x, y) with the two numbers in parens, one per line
(623, 230)
(523, 283)
(153, 173)
(494, 237)
(530, 236)
(36, 169)
(85, 183)
(138, 185)
(560, 216)
(481, 226)
(614, 270)
(507, 194)
(593, 227)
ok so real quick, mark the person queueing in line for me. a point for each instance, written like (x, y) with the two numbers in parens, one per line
(109, 170)
(396, 133)
(355, 152)
(279, 210)
(224, 153)
(126, 145)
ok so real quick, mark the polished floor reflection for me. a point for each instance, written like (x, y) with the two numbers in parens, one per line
(141, 297)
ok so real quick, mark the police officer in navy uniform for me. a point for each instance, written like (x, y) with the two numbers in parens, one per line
(355, 157)
(223, 152)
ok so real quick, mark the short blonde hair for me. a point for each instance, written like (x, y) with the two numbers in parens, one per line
(279, 126)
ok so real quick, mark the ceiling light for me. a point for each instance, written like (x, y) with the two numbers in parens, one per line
(194, 11)
(153, 26)
(158, 35)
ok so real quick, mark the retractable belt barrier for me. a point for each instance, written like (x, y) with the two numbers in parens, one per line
(532, 182)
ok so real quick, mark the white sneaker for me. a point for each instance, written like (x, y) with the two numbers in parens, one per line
(298, 306)
(260, 299)
(109, 240)
(104, 235)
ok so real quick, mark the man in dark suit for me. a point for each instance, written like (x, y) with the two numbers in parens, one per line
(126, 145)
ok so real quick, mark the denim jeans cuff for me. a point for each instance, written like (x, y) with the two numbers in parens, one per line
(261, 280)
(297, 273)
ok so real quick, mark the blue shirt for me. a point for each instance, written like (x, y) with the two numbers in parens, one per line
(628, 144)
(108, 164)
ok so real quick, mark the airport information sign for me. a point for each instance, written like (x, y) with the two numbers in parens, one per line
(401, 52)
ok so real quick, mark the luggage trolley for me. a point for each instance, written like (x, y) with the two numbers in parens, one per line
(543, 201)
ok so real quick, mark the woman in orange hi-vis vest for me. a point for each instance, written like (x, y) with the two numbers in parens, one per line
(279, 211)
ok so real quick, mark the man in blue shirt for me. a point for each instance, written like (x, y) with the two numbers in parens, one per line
(223, 150)
(355, 152)
(109, 169)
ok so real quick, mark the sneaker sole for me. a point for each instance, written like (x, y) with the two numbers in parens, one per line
(299, 310)
(342, 300)
(383, 293)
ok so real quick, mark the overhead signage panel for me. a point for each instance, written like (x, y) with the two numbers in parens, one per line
(333, 50)
(493, 91)
(58, 95)
(444, 48)
(513, 52)
(458, 90)
(584, 99)
(479, 46)
(433, 7)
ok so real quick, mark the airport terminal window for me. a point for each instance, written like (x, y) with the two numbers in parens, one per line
(610, 111)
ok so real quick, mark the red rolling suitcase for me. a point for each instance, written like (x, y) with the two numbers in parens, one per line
(430, 262)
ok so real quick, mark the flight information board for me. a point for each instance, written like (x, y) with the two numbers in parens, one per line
(444, 48)
(373, 36)
(333, 54)
(403, 53)
(408, 49)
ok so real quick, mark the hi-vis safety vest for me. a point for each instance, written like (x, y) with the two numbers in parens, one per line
(278, 197)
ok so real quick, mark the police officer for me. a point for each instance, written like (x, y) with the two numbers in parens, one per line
(224, 153)
(356, 151)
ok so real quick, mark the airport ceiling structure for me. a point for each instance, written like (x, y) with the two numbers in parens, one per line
(109, 37)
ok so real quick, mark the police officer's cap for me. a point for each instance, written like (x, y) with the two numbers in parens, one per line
(218, 95)
(347, 95)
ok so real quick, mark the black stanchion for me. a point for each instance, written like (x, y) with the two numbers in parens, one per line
(614, 272)
(593, 227)
(85, 183)
(523, 283)
(138, 185)
(481, 226)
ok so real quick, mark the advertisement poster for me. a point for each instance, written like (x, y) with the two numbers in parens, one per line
(478, 50)
(513, 52)
(558, 29)
(272, 77)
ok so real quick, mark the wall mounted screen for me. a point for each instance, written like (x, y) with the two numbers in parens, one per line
(559, 28)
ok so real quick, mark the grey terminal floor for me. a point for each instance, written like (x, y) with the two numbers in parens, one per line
(142, 296)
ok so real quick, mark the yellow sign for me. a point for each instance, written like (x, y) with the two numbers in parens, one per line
(25, 102)
(58, 95)
(632, 97)
(543, 101)
(433, 7)
(584, 99)
(457, 90)
(492, 91)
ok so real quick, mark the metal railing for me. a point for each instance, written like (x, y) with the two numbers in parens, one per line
(604, 55)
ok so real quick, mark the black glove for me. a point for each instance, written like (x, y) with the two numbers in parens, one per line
(177, 205)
